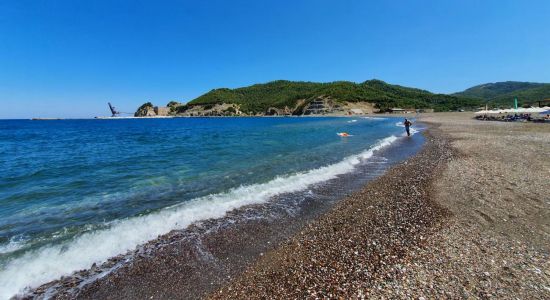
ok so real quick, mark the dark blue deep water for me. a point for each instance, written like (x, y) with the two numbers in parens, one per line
(73, 192)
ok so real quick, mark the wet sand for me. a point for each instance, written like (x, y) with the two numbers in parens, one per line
(471, 221)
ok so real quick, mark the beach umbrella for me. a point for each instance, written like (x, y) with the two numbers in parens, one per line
(531, 110)
(485, 112)
(546, 110)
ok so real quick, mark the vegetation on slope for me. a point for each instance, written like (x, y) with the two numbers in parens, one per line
(281, 93)
(502, 94)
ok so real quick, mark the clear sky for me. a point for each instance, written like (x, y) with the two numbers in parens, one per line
(68, 58)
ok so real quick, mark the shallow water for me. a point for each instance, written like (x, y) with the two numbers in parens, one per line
(76, 192)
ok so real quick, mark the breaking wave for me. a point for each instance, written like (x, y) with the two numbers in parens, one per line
(51, 262)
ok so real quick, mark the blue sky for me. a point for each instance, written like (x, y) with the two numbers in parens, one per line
(68, 58)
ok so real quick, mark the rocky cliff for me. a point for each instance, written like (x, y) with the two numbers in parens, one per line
(148, 110)
(283, 97)
(321, 105)
(145, 110)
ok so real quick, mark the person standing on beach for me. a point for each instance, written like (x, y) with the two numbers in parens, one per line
(407, 124)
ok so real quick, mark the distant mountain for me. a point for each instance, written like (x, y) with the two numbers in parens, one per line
(281, 93)
(503, 93)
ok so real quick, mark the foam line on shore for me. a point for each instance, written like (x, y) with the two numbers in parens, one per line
(51, 262)
(374, 118)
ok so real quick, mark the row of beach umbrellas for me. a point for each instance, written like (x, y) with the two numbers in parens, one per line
(531, 110)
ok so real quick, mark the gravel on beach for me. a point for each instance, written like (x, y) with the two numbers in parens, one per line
(360, 246)
(468, 217)
(192, 262)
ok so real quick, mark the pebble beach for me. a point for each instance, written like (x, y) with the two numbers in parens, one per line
(467, 217)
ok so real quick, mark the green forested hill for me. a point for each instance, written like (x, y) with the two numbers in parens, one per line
(503, 93)
(281, 93)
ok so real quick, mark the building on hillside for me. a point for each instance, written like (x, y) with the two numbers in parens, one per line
(162, 110)
(317, 107)
(397, 110)
(356, 111)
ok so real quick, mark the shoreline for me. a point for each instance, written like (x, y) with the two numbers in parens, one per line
(374, 115)
(185, 254)
(359, 243)
(448, 233)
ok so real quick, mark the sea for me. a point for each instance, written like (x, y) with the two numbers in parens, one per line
(77, 192)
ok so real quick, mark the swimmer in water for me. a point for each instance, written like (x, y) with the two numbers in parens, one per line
(407, 124)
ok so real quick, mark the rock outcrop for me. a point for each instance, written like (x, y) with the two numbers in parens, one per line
(223, 109)
(148, 110)
(321, 105)
(145, 110)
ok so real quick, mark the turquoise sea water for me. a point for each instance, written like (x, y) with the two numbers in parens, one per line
(74, 192)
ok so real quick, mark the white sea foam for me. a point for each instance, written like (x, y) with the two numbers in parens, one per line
(374, 118)
(52, 262)
(15, 243)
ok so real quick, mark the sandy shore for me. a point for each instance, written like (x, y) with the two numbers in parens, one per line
(471, 221)
(497, 243)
